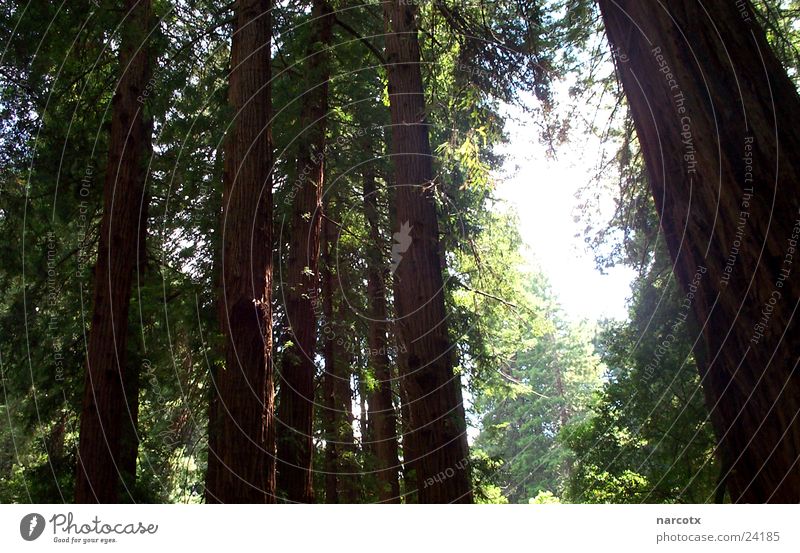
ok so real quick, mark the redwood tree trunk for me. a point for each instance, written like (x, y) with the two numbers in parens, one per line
(432, 387)
(717, 118)
(296, 395)
(241, 451)
(129, 439)
(104, 395)
(382, 416)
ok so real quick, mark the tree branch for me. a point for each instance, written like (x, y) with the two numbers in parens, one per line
(363, 40)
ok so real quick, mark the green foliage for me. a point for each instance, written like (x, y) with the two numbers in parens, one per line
(548, 386)
(650, 417)
(544, 498)
(565, 411)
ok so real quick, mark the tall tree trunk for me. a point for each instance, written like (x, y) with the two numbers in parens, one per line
(382, 416)
(346, 449)
(124, 187)
(433, 388)
(241, 461)
(717, 118)
(341, 478)
(329, 377)
(296, 395)
(364, 422)
(129, 441)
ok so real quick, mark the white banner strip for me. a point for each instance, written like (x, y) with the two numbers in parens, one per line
(400, 528)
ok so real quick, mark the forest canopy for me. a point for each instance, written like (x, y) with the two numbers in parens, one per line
(256, 252)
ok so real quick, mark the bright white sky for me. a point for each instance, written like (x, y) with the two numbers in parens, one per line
(543, 193)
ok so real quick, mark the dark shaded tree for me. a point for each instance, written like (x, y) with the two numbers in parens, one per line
(241, 461)
(340, 467)
(104, 399)
(433, 389)
(382, 415)
(300, 289)
(716, 116)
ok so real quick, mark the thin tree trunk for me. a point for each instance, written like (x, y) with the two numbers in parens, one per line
(382, 416)
(296, 395)
(329, 378)
(104, 397)
(410, 454)
(432, 387)
(364, 422)
(241, 461)
(341, 478)
(717, 118)
(346, 443)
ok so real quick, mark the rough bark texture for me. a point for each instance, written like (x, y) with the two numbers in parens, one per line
(382, 416)
(129, 441)
(717, 118)
(104, 397)
(432, 387)
(241, 450)
(296, 396)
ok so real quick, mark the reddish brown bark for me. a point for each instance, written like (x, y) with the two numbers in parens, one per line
(296, 395)
(241, 467)
(129, 441)
(382, 416)
(432, 387)
(707, 95)
(104, 395)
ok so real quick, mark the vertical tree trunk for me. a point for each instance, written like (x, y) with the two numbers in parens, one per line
(340, 478)
(124, 187)
(346, 444)
(129, 441)
(365, 450)
(364, 422)
(296, 399)
(241, 463)
(717, 118)
(382, 417)
(410, 454)
(433, 388)
(329, 377)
